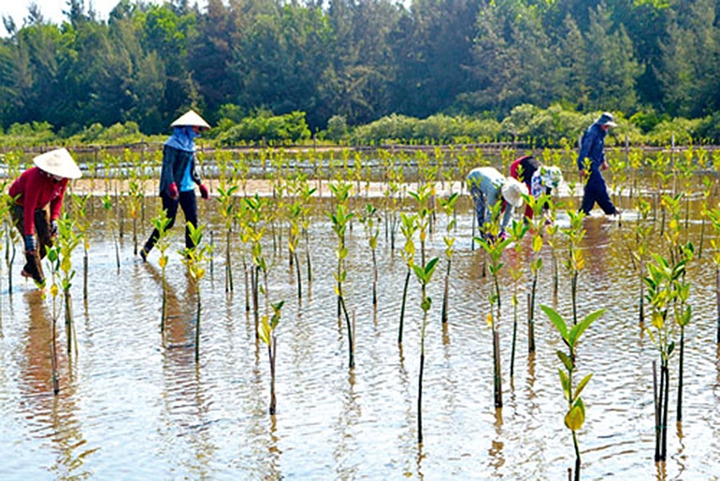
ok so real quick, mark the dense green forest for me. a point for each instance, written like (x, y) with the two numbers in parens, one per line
(333, 66)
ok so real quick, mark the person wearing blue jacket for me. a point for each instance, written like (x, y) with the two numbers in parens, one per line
(179, 175)
(592, 158)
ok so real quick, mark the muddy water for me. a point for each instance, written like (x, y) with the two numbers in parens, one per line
(135, 405)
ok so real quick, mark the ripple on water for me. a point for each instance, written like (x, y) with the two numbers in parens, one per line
(136, 404)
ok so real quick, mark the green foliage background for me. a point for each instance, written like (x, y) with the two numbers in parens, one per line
(365, 71)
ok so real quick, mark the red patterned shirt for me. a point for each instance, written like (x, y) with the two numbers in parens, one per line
(36, 189)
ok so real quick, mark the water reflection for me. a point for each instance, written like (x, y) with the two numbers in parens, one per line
(136, 398)
(51, 417)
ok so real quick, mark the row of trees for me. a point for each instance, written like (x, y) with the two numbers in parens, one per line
(360, 60)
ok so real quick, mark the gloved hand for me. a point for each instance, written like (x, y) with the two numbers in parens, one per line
(173, 191)
(53, 228)
(30, 244)
(204, 192)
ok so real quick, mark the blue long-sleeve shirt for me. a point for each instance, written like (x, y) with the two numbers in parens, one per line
(592, 146)
(178, 165)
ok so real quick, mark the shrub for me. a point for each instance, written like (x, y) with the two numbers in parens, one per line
(681, 129)
(337, 129)
(268, 128)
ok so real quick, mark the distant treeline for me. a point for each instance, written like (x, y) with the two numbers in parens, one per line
(525, 126)
(365, 71)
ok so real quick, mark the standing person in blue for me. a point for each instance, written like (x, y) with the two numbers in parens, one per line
(179, 176)
(592, 156)
(488, 186)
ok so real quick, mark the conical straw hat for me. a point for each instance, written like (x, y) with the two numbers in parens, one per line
(58, 162)
(190, 118)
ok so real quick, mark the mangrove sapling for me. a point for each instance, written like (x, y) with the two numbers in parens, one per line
(357, 173)
(267, 335)
(707, 189)
(408, 228)
(423, 274)
(295, 215)
(686, 168)
(683, 314)
(195, 258)
(537, 226)
(550, 237)
(135, 196)
(429, 176)
(671, 205)
(494, 247)
(306, 193)
(340, 220)
(641, 252)
(341, 193)
(227, 198)
(5, 207)
(424, 214)
(53, 256)
(11, 234)
(83, 224)
(664, 283)
(11, 238)
(448, 206)
(161, 222)
(371, 226)
(575, 417)
(393, 196)
(107, 205)
(255, 229)
(714, 216)
(576, 258)
(67, 241)
(517, 232)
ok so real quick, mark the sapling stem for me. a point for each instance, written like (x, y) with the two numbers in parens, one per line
(717, 301)
(197, 326)
(680, 374)
(404, 299)
(299, 279)
(424, 274)
(53, 357)
(446, 291)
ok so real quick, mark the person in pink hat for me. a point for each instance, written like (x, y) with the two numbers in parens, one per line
(37, 202)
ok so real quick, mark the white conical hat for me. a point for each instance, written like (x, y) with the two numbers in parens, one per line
(190, 118)
(58, 162)
(512, 192)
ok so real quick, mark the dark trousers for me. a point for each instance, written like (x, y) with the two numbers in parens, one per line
(188, 202)
(480, 206)
(596, 191)
(33, 262)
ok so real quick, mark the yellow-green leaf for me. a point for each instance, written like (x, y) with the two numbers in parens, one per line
(537, 243)
(575, 418)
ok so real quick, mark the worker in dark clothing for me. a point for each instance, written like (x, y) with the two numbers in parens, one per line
(179, 176)
(592, 158)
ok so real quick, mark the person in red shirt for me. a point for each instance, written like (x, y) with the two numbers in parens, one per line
(37, 201)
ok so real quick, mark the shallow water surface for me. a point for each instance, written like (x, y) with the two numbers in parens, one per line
(134, 404)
